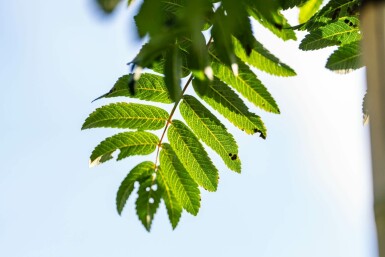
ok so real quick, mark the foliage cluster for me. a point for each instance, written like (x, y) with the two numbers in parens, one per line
(210, 45)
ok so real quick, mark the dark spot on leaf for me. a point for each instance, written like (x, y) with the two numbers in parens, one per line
(248, 49)
(336, 13)
(230, 154)
(131, 85)
(351, 24)
(278, 26)
(234, 157)
(262, 136)
(346, 21)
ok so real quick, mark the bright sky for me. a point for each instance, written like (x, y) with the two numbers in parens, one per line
(305, 191)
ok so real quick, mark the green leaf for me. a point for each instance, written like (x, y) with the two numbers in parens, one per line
(172, 72)
(223, 99)
(336, 33)
(222, 38)
(211, 131)
(149, 87)
(127, 115)
(262, 59)
(159, 65)
(307, 10)
(247, 84)
(332, 11)
(144, 24)
(346, 58)
(268, 14)
(193, 156)
(149, 196)
(129, 143)
(240, 26)
(178, 180)
(138, 173)
(174, 209)
(108, 6)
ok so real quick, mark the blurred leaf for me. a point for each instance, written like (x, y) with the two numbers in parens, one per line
(307, 10)
(262, 59)
(172, 72)
(268, 14)
(108, 6)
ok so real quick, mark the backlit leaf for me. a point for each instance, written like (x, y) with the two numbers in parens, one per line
(148, 200)
(192, 155)
(223, 99)
(175, 176)
(247, 84)
(307, 10)
(346, 58)
(128, 116)
(262, 59)
(174, 209)
(210, 130)
(149, 87)
(172, 72)
(138, 173)
(129, 143)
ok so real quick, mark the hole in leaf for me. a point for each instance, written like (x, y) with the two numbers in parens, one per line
(151, 200)
(154, 187)
(136, 184)
(147, 189)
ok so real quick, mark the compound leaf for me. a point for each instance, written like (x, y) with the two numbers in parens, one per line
(148, 200)
(210, 130)
(139, 172)
(192, 155)
(175, 176)
(127, 115)
(129, 143)
(223, 99)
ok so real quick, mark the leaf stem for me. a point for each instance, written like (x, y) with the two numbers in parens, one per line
(169, 119)
(172, 113)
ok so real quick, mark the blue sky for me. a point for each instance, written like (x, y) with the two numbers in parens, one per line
(305, 191)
